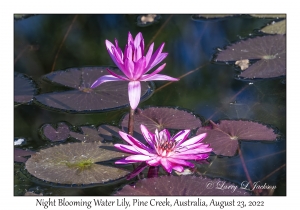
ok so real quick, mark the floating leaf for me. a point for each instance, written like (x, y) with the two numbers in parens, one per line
(270, 51)
(20, 154)
(161, 117)
(275, 28)
(108, 132)
(59, 133)
(24, 88)
(107, 96)
(182, 185)
(147, 20)
(75, 164)
(201, 17)
(89, 134)
(223, 137)
(28, 193)
(277, 16)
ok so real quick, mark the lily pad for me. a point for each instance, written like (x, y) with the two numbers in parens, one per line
(181, 186)
(147, 20)
(82, 98)
(223, 137)
(89, 134)
(56, 133)
(277, 16)
(76, 164)
(162, 117)
(201, 17)
(24, 88)
(275, 28)
(20, 154)
(270, 51)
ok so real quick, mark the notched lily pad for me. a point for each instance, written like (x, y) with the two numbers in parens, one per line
(147, 20)
(60, 132)
(270, 51)
(24, 88)
(88, 134)
(20, 154)
(162, 117)
(275, 28)
(223, 137)
(182, 185)
(76, 164)
(82, 98)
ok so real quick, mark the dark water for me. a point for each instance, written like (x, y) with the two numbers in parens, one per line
(46, 43)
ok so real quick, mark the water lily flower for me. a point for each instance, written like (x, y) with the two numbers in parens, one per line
(135, 65)
(162, 149)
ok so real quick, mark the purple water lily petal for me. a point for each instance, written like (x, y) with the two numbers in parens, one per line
(24, 88)
(162, 117)
(56, 133)
(182, 186)
(270, 51)
(223, 137)
(108, 96)
(20, 154)
(76, 164)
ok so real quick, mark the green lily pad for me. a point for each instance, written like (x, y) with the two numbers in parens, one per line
(277, 16)
(76, 163)
(275, 28)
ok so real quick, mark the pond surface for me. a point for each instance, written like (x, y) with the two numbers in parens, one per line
(210, 90)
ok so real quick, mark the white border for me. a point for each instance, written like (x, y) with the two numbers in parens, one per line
(8, 8)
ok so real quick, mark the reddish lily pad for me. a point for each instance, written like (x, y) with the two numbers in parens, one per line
(270, 51)
(89, 134)
(182, 185)
(24, 88)
(223, 137)
(82, 98)
(20, 154)
(162, 117)
(76, 164)
(56, 133)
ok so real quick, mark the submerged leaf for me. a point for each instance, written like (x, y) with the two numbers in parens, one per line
(20, 154)
(76, 164)
(24, 88)
(89, 134)
(182, 186)
(270, 51)
(223, 137)
(58, 133)
(275, 28)
(162, 117)
(107, 96)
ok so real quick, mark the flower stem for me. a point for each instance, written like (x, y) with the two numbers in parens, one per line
(131, 121)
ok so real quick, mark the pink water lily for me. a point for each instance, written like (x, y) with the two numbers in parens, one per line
(134, 64)
(162, 149)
